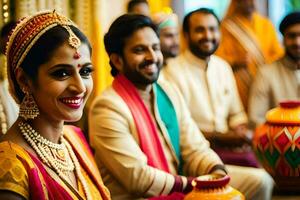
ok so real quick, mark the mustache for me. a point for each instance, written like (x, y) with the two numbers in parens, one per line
(174, 46)
(148, 62)
(207, 40)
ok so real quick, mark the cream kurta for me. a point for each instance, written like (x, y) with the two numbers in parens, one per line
(275, 82)
(209, 90)
(124, 166)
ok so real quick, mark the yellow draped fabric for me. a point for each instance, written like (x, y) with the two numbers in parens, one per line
(14, 176)
(255, 39)
(231, 49)
(158, 5)
(102, 76)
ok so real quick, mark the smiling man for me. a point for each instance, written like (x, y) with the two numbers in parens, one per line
(206, 81)
(209, 89)
(167, 24)
(146, 143)
(280, 80)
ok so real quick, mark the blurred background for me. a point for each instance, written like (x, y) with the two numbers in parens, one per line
(95, 16)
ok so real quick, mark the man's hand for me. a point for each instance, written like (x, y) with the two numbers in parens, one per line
(238, 136)
(243, 132)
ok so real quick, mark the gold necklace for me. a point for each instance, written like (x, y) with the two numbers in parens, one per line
(59, 157)
(54, 155)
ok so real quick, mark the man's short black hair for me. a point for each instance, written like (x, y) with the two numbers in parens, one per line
(186, 20)
(289, 20)
(133, 3)
(121, 29)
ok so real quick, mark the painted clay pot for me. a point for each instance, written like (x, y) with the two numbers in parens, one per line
(277, 145)
(213, 187)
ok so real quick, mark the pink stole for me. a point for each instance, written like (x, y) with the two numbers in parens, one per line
(43, 186)
(149, 140)
(85, 157)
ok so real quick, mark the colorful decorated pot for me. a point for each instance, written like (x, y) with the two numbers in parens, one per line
(213, 187)
(277, 145)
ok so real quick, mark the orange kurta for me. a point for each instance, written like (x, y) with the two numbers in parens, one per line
(262, 35)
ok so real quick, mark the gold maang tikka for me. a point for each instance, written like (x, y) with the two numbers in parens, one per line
(26, 34)
(74, 41)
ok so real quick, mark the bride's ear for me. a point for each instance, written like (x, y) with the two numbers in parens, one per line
(24, 82)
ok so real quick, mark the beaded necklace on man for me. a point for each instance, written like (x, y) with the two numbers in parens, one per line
(59, 157)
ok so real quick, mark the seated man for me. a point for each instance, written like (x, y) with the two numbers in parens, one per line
(280, 80)
(209, 89)
(146, 143)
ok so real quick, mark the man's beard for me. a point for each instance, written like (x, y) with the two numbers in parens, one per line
(197, 51)
(139, 78)
(171, 53)
(291, 55)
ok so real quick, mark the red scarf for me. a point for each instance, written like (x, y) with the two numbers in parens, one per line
(149, 140)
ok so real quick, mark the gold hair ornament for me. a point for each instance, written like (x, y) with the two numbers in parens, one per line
(26, 34)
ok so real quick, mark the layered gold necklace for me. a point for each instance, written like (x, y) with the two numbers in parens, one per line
(59, 157)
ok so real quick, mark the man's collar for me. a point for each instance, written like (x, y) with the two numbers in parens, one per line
(194, 60)
(146, 92)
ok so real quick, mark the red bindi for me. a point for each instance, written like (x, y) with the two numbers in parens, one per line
(79, 65)
(76, 55)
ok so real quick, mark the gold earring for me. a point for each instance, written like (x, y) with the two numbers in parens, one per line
(28, 107)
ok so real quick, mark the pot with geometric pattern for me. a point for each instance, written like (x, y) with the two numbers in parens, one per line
(277, 145)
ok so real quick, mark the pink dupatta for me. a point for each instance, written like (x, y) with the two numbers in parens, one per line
(43, 186)
(85, 157)
(147, 131)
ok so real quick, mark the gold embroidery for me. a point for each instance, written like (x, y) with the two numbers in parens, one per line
(13, 175)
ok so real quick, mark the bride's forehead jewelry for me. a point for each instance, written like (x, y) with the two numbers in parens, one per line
(30, 29)
(74, 42)
(27, 32)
